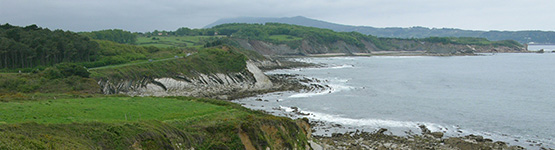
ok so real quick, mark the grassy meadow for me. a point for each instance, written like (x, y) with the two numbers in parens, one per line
(103, 109)
(141, 123)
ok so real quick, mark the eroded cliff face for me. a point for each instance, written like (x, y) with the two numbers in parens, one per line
(217, 85)
(306, 47)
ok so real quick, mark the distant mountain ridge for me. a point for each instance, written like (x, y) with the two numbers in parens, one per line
(535, 37)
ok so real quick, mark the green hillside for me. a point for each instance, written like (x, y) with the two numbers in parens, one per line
(31, 48)
(210, 60)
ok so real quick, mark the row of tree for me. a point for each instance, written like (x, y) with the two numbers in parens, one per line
(115, 35)
(31, 46)
(182, 32)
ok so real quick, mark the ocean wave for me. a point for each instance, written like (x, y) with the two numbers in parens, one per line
(299, 95)
(342, 66)
(305, 60)
(341, 58)
(286, 109)
(332, 89)
(376, 123)
(399, 56)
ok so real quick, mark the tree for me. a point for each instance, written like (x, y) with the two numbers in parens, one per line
(23, 47)
(115, 35)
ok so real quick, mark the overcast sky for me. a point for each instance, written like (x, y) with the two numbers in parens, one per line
(149, 15)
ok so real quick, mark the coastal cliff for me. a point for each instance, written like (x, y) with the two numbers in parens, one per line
(308, 48)
(304, 47)
(215, 85)
(274, 39)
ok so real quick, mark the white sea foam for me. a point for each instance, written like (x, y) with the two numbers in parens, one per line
(299, 95)
(342, 66)
(333, 88)
(433, 127)
(286, 109)
(305, 60)
(399, 56)
(377, 123)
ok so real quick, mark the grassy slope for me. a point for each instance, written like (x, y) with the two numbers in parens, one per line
(140, 122)
(36, 87)
(210, 60)
(173, 41)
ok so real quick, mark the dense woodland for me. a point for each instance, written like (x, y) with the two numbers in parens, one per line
(31, 46)
(115, 35)
(181, 32)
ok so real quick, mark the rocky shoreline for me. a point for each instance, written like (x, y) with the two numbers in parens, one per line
(380, 139)
(338, 136)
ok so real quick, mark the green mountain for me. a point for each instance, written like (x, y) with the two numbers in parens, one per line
(539, 37)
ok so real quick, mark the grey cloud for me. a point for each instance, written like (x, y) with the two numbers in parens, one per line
(148, 15)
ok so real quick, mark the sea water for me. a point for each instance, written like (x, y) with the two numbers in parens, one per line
(546, 48)
(508, 97)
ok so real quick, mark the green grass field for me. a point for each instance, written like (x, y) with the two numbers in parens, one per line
(103, 109)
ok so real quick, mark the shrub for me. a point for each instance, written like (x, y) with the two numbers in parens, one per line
(52, 73)
(63, 70)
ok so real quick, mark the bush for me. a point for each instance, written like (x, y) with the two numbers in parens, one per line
(63, 70)
(52, 73)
